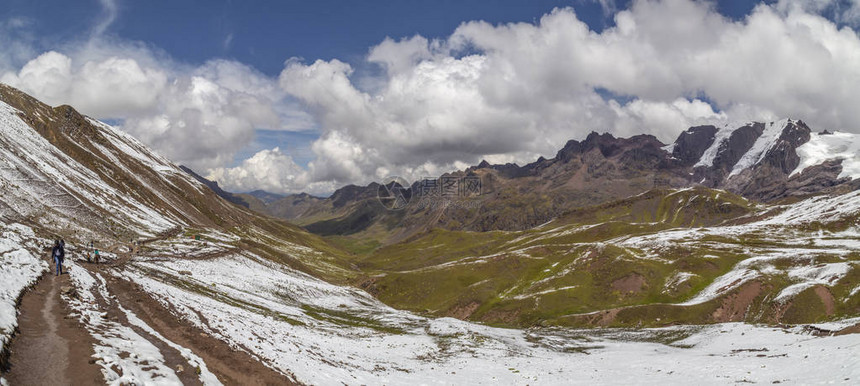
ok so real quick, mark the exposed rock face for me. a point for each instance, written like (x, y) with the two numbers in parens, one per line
(766, 174)
(692, 143)
(770, 178)
(571, 149)
(784, 154)
(729, 153)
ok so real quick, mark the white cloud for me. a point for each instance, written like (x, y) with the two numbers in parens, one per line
(197, 116)
(400, 56)
(507, 93)
(228, 41)
(110, 9)
(270, 170)
(200, 120)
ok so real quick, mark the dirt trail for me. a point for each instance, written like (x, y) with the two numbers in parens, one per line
(53, 348)
(231, 366)
(50, 348)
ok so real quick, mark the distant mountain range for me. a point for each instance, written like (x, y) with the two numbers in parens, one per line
(764, 162)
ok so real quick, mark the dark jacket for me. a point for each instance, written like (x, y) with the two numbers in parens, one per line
(58, 253)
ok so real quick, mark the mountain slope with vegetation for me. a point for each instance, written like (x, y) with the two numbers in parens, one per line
(662, 257)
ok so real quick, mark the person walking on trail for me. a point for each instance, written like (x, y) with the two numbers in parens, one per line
(59, 254)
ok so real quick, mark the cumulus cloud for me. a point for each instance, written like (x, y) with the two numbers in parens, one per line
(196, 115)
(270, 170)
(200, 116)
(505, 93)
(110, 88)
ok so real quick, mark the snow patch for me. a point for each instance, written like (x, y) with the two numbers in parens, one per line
(825, 274)
(836, 146)
(854, 291)
(678, 278)
(722, 135)
(206, 377)
(118, 347)
(761, 147)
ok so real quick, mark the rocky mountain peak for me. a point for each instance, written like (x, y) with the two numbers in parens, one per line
(571, 148)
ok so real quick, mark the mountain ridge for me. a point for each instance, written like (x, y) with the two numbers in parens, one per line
(757, 160)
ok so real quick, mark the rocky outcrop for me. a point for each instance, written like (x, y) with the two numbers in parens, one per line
(692, 143)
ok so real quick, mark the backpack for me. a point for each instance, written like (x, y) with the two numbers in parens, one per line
(58, 254)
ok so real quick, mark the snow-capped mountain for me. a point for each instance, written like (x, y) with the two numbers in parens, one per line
(767, 161)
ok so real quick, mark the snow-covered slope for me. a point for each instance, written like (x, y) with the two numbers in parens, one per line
(63, 170)
(37, 178)
(322, 334)
(64, 175)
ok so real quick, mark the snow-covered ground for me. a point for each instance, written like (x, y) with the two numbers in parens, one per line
(19, 268)
(325, 334)
(784, 241)
(320, 333)
(125, 357)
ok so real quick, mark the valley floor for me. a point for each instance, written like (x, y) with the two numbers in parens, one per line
(173, 315)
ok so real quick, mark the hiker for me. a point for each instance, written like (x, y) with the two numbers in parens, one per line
(59, 254)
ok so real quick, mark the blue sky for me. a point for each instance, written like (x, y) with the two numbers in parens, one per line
(266, 33)
(307, 96)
